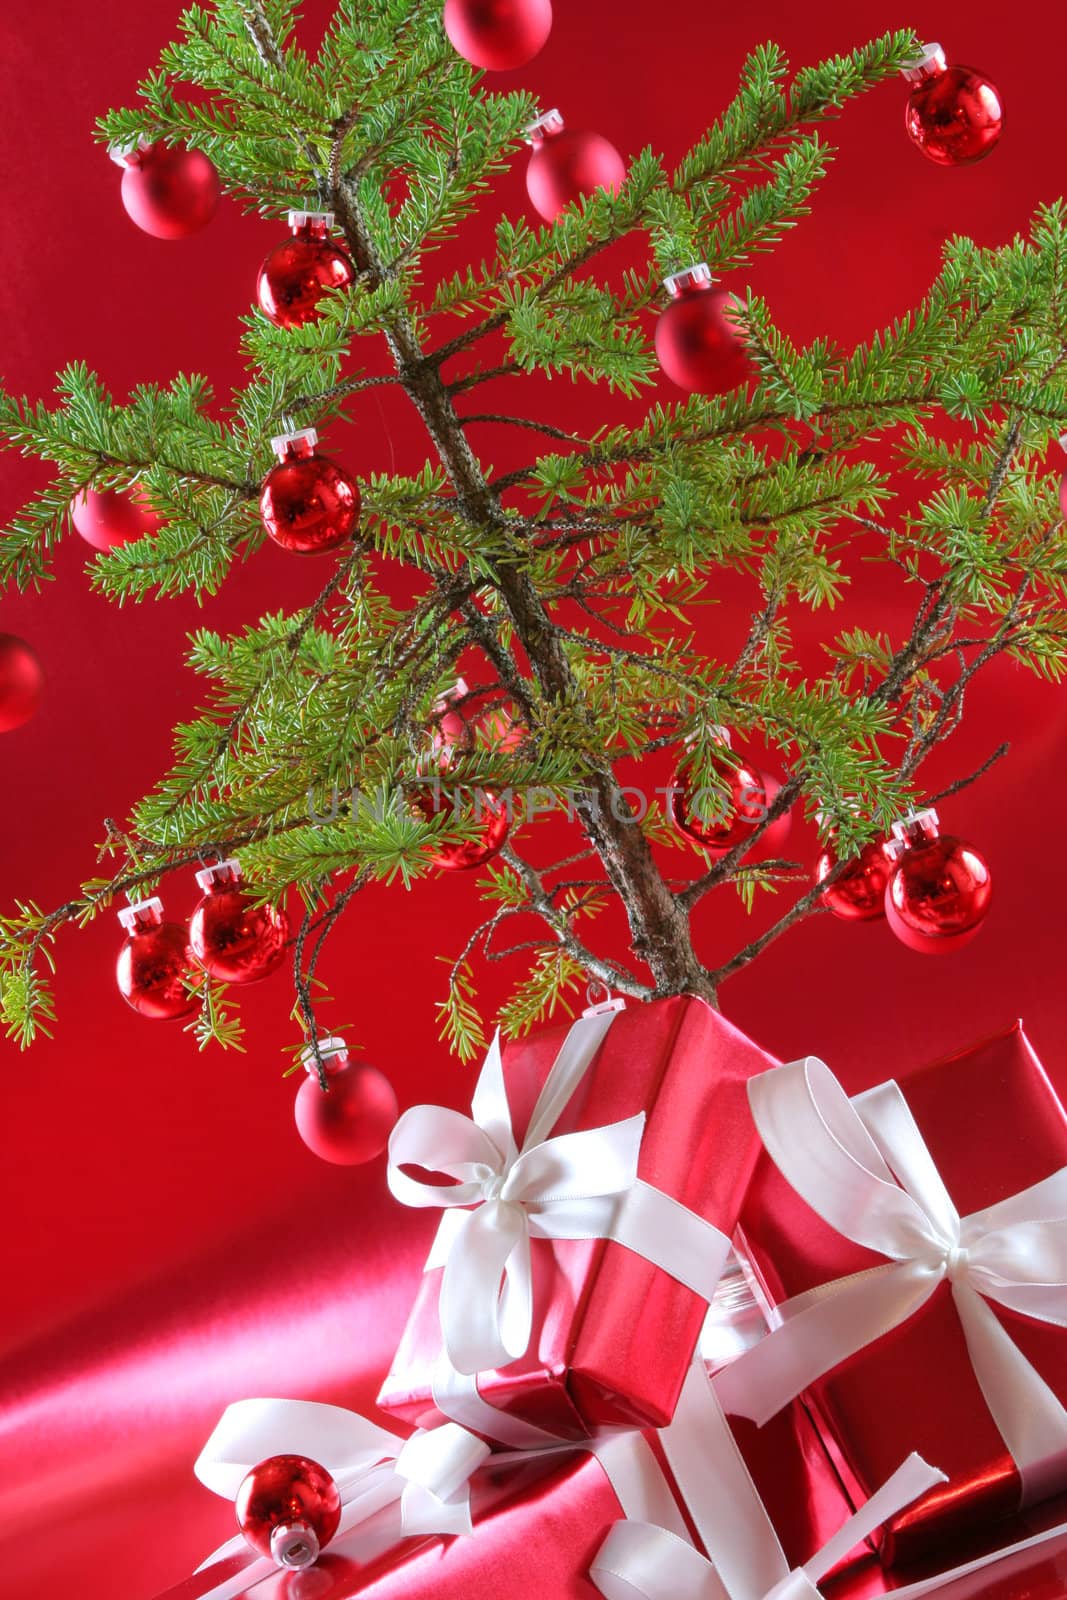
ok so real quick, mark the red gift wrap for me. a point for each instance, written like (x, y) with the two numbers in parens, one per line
(994, 1126)
(613, 1335)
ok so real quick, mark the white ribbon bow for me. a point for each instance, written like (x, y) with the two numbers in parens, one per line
(574, 1186)
(864, 1167)
(640, 1560)
(425, 1478)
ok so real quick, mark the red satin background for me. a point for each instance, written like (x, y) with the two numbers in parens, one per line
(169, 1244)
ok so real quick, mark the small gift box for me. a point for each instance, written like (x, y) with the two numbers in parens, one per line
(605, 1166)
(913, 1247)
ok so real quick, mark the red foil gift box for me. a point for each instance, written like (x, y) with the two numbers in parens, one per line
(994, 1127)
(612, 1334)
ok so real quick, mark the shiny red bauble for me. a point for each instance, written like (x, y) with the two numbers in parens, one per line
(350, 1121)
(698, 342)
(488, 812)
(155, 964)
(288, 1507)
(234, 940)
(566, 164)
(939, 890)
(309, 505)
(462, 722)
(168, 190)
(498, 35)
(109, 517)
(858, 895)
(21, 682)
(297, 273)
(953, 114)
(719, 821)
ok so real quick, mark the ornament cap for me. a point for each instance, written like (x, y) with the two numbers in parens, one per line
(124, 152)
(918, 827)
(142, 914)
(221, 875)
(927, 64)
(543, 127)
(294, 1545)
(719, 732)
(459, 691)
(317, 222)
(300, 442)
(334, 1053)
(698, 276)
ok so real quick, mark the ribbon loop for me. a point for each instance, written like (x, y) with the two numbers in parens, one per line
(864, 1166)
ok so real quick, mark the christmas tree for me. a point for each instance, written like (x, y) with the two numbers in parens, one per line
(332, 749)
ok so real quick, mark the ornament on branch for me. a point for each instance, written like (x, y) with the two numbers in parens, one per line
(954, 114)
(498, 35)
(288, 1508)
(155, 964)
(348, 1122)
(21, 682)
(566, 164)
(233, 939)
(718, 820)
(298, 272)
(458, 719)
(308, 504)
(168, 190)
(939, 888)
(486, 809)
(106, 518)
(858, 895)
(699, 343)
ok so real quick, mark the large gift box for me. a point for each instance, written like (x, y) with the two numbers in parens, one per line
(939, 1327)
(611, 1332)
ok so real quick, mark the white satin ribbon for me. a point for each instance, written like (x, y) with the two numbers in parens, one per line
(423, 1480)
(864, 1167)
(638, 1561)
(575, 1186)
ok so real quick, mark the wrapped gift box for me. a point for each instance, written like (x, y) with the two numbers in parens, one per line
(613, 1334)
(994, 1126)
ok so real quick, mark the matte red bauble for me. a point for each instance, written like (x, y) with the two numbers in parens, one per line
(566, 164)
(288, 1508)
(498, 35)
(953, 114)
(718, 821)
(233, 939)
(21, 682)
(308, 503)
(349, 1122)
(939, 890)
(489, 813)
(109, 517)
(297, 273)
(155, 964)
(168, 190)
(698, 342)
(858, 895)
(462, 721)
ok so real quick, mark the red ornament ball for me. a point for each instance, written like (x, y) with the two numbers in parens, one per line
(488, 812)
(698, 342)
(168, 190)
(953, 114)
(940, 889)
(233, 939)
(717, 821)
(109, 517)
(288, 1508)
(858, 895)
(297, 273)
(349, 1122)
(309, 505)
(498, 35)
(566, 164)
(21, 682)
(154, 964)
(462, 721)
